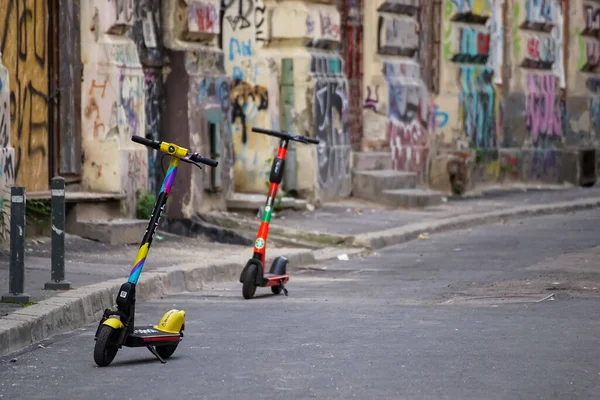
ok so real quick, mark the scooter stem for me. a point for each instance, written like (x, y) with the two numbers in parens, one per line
(275, 178)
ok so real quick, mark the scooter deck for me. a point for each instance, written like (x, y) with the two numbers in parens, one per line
(147, 335)
(275, 280)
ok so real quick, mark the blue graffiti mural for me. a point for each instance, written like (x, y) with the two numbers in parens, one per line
(477, 101)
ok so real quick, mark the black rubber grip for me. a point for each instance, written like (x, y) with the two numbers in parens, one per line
(311, 140)
(146, 142)
(208, 161)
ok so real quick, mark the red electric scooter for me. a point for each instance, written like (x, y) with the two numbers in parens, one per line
(253, 275)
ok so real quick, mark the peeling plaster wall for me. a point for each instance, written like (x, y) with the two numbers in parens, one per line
(254, 91)
(307, 35)
(501, 113)
(197, 107)
(112, 102)
(583, 81)
(396, 104)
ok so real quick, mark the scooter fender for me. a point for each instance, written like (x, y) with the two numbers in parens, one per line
(279, 266)
(172, 322)
(114, 323)
(258, 279)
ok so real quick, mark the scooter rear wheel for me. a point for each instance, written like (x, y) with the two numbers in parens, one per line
(166, 351)
(249, 287)
(104, 350)
(276, 289)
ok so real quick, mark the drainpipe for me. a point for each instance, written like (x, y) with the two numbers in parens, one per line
(290, 182)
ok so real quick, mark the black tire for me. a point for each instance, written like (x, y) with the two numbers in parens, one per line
(166, 351)
(104, 350)
(249, 287)
(276, 289)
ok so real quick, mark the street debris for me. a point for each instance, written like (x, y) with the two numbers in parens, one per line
(310, 207)
(343, 257)
(424, 236)
(549, 297)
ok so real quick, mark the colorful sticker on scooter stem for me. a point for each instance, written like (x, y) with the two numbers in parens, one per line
(267, 214)
(259, 244)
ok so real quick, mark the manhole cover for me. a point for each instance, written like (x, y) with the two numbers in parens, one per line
(493, 300)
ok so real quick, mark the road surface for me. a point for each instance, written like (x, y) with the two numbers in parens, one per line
(508, 311)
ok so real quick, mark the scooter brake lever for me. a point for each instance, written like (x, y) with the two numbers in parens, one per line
(187, 160)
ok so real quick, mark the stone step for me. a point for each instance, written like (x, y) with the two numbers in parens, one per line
(253, 202)
(114, 232)
(411, 198)
(371, 161)
(369, 185)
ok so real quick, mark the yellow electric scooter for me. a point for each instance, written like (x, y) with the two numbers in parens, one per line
(116, 329)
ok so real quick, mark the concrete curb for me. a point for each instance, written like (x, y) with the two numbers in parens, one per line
(327, 239)
(394, 236)
(80, 307)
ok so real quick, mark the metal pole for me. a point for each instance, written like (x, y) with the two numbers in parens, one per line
(16, 273)
(57, 274)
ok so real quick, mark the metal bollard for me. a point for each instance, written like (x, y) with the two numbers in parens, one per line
(57, 274)
(16, 273)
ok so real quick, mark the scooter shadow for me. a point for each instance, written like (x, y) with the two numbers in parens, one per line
(140, 361)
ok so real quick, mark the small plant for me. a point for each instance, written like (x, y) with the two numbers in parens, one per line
(39, 211)
(145, 204)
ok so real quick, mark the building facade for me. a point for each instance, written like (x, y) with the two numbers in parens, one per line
(461, 92)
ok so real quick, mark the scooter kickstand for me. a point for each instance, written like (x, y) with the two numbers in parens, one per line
(283, 287)
(153, 351)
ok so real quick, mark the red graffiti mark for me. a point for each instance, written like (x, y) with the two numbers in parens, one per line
(408, 143)
(533, 48)
(205, 17)
(483, 43)
(328, 27)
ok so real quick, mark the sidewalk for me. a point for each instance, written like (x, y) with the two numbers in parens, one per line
(88, 262)
(177, 264)
(345, 222)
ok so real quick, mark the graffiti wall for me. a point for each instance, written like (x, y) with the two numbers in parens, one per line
(24, 48)
(539, 47)
(583, 81)
(113, 103)
(330, 125)
(7, 152)
(407, 116)
(243, 34)
(396, 104)
(472, 46)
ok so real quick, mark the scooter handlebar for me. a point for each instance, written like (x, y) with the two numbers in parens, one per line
(286, 136)
(208, 161)
(155, 144)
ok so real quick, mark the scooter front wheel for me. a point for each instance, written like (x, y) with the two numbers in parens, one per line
(105, 350)
(249, 287)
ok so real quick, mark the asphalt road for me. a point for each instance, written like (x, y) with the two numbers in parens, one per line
(462, 315)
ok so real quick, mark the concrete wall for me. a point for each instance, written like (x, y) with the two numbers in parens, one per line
(112, 102)
(501, 113)
(25, 55)
(396, 105)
